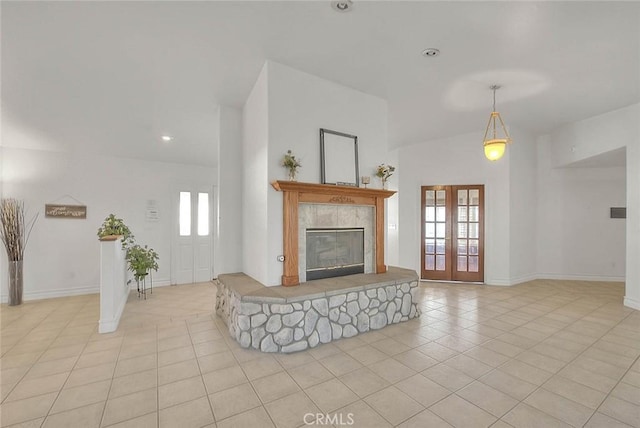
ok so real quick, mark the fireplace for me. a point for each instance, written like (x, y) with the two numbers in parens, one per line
(326, 198)
(334, 252)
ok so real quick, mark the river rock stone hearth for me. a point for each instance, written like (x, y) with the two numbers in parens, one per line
(290, 319)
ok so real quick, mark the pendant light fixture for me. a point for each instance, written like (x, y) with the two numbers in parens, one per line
(494, 145)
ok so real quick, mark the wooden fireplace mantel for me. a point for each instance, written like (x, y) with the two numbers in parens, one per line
(296, 193)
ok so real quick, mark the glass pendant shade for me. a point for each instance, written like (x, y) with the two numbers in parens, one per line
(494, 149)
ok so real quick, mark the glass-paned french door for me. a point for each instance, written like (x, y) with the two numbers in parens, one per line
(453, 233)
(193, 251)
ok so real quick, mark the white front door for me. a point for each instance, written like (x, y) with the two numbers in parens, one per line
(193, 256)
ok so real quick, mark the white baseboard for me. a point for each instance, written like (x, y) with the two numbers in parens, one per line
(632, 303)
(76, 291)
(59, 292)
(498, 282)
(111, 325)
(511, 281)
(156, 283)
(524, 278)
(532, 277)
(569, 277)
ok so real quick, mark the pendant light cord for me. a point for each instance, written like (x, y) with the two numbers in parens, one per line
(494, 88)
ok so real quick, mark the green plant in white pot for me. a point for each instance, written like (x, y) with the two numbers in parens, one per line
(14, 233)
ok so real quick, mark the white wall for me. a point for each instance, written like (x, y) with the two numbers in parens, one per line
(596, 135)
(455, 161)
(255, 183)
(299, 105)
(523, 197)
(63, 256)
(392, 238)
(542, 220)
(602, 134)
(286, 110)
(228, 253)
(632, 269)
(576, 239)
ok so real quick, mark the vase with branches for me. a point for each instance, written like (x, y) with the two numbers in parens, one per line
(14, 233)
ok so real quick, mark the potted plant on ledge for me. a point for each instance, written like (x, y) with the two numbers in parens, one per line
(112, 228)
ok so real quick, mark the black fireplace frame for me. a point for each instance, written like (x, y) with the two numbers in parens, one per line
(336, 271)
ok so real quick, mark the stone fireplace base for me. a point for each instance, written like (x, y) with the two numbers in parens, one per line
(284, 319)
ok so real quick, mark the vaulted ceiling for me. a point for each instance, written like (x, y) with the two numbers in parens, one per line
(112, 77)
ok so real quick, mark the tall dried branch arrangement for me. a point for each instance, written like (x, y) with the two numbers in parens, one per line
(14, 231)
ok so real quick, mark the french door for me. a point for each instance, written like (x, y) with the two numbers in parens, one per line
(453, 233)
(193, 244)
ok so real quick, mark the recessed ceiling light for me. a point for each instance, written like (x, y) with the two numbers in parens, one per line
(342, 6)
(167, 138)
(429, 52)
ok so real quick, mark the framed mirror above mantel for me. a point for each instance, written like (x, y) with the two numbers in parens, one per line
(295, 193)
(338, 158)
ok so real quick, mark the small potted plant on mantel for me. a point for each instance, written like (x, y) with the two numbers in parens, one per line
(384, 172)
(292, 164)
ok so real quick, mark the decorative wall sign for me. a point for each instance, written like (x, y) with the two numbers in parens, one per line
(152, 214)
(65, 211)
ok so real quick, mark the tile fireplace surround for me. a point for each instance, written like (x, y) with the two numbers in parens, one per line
(351, 207)
(290, 319)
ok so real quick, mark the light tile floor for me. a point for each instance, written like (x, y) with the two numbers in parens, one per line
(541, 354)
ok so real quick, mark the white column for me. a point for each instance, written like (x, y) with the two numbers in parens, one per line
(632, 286)
(114, 289)
(228, 254)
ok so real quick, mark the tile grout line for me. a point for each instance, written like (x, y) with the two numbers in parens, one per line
(36, 362)
(157, 371)
(39, 356)
(106, 401)
(528, 349)
(204, 385)
(250, 382)
(612, 389)
(584, 308)
(557, 373)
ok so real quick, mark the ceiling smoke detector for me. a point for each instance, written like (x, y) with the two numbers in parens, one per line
(342, 6)
(431, 52)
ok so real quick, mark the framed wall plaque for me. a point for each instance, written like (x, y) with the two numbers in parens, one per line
(65, 211)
